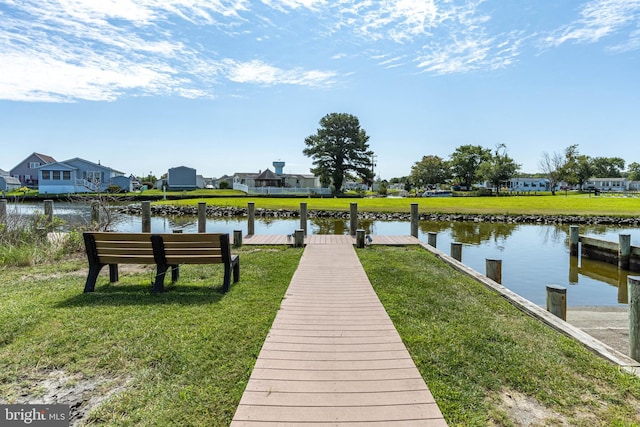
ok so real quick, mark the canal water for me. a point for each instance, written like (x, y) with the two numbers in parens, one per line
(533, 256)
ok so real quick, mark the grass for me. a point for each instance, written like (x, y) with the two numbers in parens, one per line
(477, 352)
(573, 204)
(181, 358)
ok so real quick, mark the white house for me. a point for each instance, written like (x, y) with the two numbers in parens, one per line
(529, 184)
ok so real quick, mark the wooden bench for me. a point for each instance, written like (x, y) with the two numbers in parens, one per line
(166, 251)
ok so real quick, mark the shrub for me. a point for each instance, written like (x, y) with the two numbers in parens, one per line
(223, 185)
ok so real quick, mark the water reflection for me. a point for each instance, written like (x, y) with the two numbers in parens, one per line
(600, 272)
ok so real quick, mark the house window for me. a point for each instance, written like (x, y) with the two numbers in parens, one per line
(93, 176)
(55, 175)
(33, 165)
(66, 175)
(46, 174)
(27, 178)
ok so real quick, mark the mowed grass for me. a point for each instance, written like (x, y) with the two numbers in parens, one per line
(572, 204)
(173, 359)
(485, 362)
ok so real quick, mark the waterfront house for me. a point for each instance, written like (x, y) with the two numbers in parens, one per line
(529, 184)
(607, 184)
(9, 183)
(27, 170)
(75, 176)
(182, 178)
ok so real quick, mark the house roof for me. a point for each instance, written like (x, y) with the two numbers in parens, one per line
(43, 157)
(3, 172)
(267, 175)
(10, 179)
(92, 163)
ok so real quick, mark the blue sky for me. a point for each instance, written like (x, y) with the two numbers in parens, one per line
(230, 86)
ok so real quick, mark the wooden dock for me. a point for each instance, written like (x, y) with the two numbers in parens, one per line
(333, 357)
(326, 239)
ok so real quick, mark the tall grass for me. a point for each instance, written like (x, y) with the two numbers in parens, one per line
(24, 240)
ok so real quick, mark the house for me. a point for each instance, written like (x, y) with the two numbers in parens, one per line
(273, 179)
(27, 170)
(75, 176)
(182, 178)
(529, 184)
(126, 183)
(9, 183)
(607, 184)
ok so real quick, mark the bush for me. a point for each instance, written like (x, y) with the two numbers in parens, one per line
(114, 189)
(223, 185)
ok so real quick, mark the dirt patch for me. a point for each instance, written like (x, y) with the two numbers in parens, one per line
(525, 411)
(81, 394)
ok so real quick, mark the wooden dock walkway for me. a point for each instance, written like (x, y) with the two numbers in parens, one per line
(324, 239)
(333, 357)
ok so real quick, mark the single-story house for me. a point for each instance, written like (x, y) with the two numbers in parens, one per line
(75, 176)
(182, 178)
(9, 183)
(529, 184)
(607, 184)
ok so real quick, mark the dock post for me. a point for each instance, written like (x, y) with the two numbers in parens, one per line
(633, 284)
(95, 212)
(574, 239)
(353, 223)
(431, 238)
(303, 217)
(299, 238)
(494, 269)
(360, 238)
(456, 251)
(414, 219)
(146, 217)
(251, 213)
(573, 269)
(557, 301)
(624, 251)
(202, 217)
(48, 213)
(3, 211)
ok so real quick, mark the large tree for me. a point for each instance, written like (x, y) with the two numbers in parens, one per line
(338, 148)
(499, 168)
(633, 171)
(607, 167)
(431, 170)
(465, 162)
(577, 167)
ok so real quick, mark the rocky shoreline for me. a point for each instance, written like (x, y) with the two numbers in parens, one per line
(224, 212)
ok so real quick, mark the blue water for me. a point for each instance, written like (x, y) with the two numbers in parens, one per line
(533, 256)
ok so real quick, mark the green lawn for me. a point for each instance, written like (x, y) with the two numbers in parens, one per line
(181, 358)
(480, 356)
(573, 204)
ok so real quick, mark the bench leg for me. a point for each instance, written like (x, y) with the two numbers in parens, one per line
(158, 284)
(90, 284)
(113, 273)
(175, 273)
(226, 283)
(236, 269)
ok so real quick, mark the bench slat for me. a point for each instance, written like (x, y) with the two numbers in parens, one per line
(126, 259)
(194, 259)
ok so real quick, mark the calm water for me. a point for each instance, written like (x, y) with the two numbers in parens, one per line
(532, 255)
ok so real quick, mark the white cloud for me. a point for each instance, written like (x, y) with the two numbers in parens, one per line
(258, 72)
(598, 19)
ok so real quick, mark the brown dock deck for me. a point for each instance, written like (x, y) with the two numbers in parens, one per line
(323, 239)
(333, 357)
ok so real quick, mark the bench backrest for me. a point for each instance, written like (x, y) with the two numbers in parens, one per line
(200, 248)
(119, 248)
(138, 248)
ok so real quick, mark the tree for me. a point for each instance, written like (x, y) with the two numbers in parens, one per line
(553, 167)
(465, 162)
(338, 148)
(431, 170)
(499, 168)
(634, 171)
(607, 167)
(578, 167)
